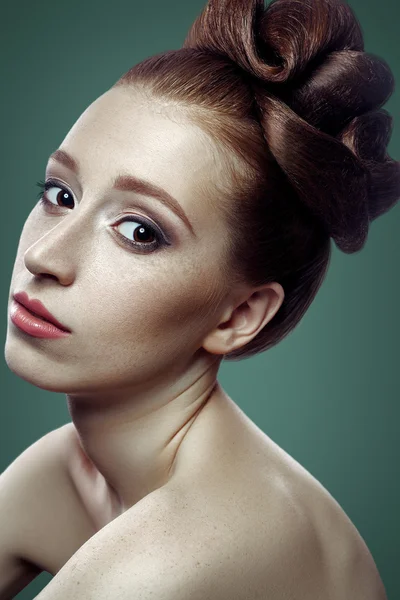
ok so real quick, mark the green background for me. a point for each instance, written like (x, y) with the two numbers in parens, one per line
(329, 393)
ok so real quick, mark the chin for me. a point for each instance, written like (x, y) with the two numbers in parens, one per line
(25, 362)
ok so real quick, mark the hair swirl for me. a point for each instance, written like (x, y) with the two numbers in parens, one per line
(318, 96)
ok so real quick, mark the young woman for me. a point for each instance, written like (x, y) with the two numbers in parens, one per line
(187, 218)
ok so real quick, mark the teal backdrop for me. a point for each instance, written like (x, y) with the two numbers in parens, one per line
(329, 393)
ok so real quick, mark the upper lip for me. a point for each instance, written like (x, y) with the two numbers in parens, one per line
(36, 307)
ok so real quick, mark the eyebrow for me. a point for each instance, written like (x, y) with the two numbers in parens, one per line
(130, 183)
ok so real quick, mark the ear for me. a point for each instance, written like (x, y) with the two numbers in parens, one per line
(242, 320)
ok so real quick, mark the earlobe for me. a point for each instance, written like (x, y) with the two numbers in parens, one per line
(240, 324)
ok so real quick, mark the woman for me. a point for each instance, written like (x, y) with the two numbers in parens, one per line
(186, 218)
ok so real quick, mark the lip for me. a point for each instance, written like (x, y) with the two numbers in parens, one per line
(38, 309)
(33, 325)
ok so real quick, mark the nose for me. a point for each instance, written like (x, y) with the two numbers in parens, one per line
(54, 253)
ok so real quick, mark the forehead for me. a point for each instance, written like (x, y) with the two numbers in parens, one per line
(124, 130)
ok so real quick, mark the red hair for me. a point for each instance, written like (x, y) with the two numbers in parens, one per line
(292, 101)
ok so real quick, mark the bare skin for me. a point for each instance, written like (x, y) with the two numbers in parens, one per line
(230, 483)
(139, 370)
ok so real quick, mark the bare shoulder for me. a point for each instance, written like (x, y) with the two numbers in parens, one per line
(243, 524)
(243, 520)
(42, 504)
(250, 542)
(179, 542)
(22, 481)
(26, 515)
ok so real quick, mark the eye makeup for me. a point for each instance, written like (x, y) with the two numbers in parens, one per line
(160, 240)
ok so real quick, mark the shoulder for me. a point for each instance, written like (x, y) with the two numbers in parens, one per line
(42, 457)
(171, 549)
(34, 482)
(184, 553)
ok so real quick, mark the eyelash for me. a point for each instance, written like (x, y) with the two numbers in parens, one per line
(159, 241)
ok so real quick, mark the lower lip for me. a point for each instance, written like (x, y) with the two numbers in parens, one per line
(25, 320)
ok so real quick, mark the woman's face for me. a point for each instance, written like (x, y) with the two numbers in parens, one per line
(137, 302)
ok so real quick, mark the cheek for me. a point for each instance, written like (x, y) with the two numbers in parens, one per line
(185, 305)
(159, 302)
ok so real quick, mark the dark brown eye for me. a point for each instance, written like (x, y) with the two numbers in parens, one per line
(63, 196)
(59, 198)
(140, 232)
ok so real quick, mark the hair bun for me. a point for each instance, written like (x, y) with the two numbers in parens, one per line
(318, 97)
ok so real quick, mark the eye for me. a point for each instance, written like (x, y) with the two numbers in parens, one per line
(141, 231)
(53, 195)
(61, 196)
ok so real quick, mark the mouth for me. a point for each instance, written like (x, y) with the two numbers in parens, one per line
(32, 324)
(37, 309)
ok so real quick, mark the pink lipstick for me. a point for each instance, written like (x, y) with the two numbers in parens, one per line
(32, 317)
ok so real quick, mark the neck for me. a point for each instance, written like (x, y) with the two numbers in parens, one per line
(133, 437)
